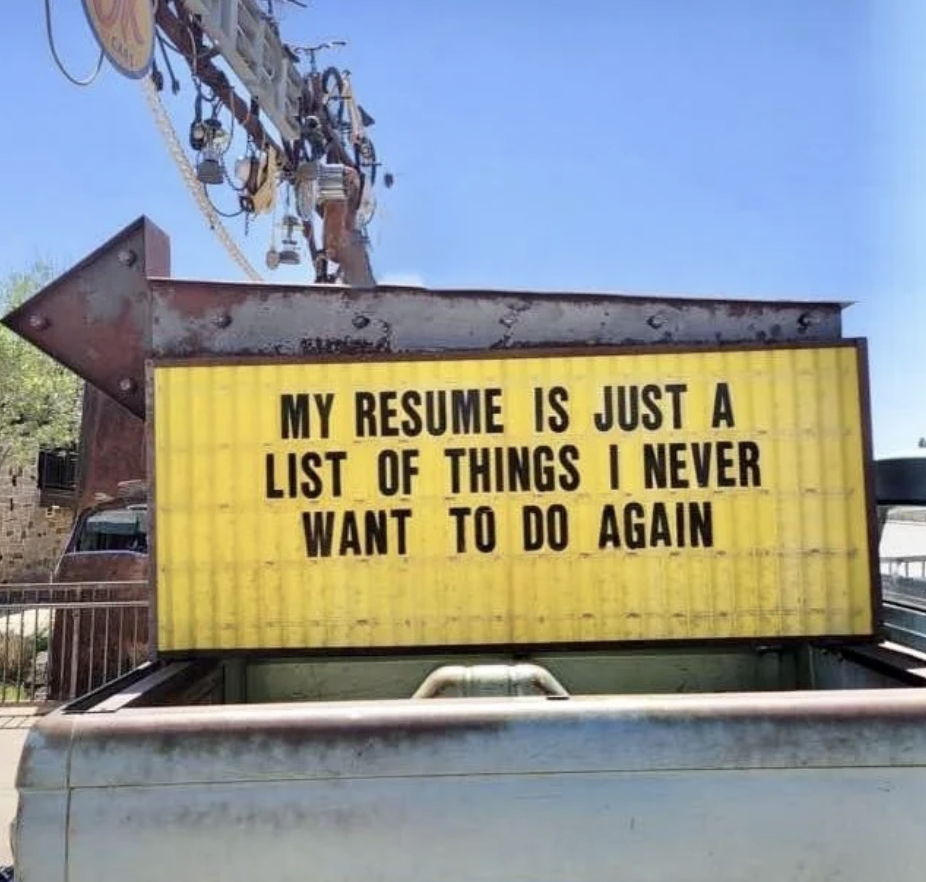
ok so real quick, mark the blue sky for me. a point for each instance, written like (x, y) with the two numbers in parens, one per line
(706, 147)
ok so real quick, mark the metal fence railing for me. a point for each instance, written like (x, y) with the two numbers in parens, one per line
(59, 641)
(903, 580)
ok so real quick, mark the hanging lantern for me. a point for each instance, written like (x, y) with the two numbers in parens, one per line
(289, 253)
(198, 135)
(209, 169)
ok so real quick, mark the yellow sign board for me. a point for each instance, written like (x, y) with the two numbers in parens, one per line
(512, 500)
(125, 30)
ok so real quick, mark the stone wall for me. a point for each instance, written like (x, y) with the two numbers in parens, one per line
(31, 536)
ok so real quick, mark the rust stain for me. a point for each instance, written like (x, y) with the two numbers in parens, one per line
(112, 447)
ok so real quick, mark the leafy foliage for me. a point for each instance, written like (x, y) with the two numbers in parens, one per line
(40, 400)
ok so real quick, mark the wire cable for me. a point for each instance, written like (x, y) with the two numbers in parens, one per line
(174, 82)
(54, 52)
(226, 214)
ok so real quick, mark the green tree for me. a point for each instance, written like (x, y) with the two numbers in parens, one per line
(40, 399)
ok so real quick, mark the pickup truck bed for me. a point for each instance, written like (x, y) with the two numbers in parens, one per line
(800, 784)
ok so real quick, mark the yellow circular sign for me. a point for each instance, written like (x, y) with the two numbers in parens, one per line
(125, 31)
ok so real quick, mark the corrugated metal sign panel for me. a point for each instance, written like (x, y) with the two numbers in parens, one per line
(513, 499)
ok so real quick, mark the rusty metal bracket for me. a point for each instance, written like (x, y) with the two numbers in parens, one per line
(95, 318)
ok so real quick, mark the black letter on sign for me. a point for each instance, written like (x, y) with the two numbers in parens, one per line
(538, 409)
(545, 528)
(485, 529)
(294, 416)
(350, 534)
(568, 456)
(387, 468)
(318, 527)
(532, 527)
(401, 515)
(455, 455)
(273, 492)
(336, 457)
(701, 516)
(650, 396)
(493, 402)
(557, 527)
(396, 469)
(609, 535)
(558, 421)
(615, 466)
(723, 407)
(365, 414)
(750, 473)
(675, 391)
(459, 513)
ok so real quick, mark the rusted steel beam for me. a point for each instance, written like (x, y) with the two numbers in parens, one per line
(112, 447)
(198, 318)
(355, 261)
(94, 319)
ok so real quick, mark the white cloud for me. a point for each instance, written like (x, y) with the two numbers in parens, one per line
(404, 279)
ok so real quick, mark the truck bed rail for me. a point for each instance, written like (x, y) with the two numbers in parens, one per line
(525, 787)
